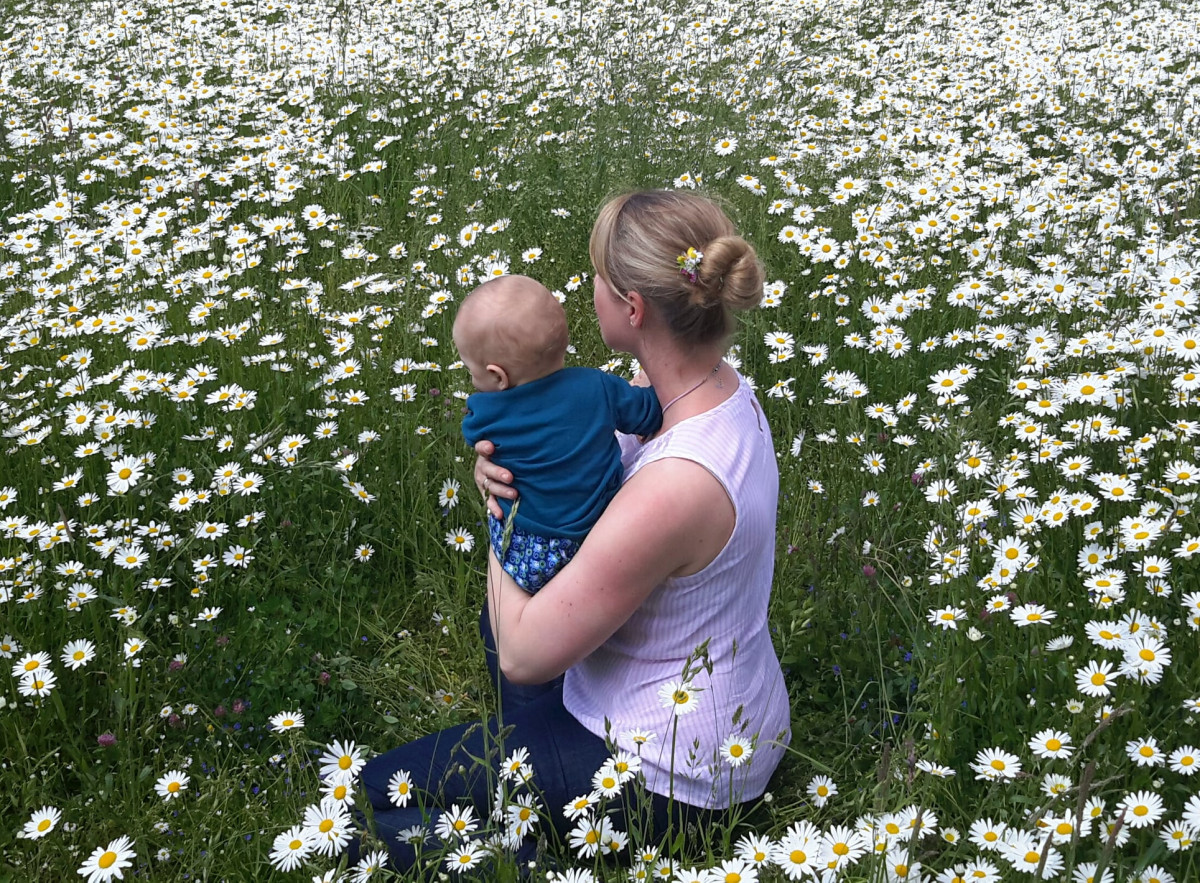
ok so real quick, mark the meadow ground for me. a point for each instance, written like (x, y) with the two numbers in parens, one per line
(240, 549)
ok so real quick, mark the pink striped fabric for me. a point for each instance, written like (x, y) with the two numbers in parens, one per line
(616, 689)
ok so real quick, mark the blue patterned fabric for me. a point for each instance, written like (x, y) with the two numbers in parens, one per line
(531, 560)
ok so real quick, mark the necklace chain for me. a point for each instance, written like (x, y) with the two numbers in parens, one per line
(713, 373)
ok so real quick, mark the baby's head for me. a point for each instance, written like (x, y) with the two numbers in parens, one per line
(510, 330)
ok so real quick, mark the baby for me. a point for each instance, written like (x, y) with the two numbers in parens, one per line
(553, 427)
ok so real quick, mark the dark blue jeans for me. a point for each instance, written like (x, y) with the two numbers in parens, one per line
(458, 766)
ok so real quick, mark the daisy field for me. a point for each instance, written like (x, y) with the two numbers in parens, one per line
(240, 548)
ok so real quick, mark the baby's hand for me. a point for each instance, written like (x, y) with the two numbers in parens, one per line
(640, 380)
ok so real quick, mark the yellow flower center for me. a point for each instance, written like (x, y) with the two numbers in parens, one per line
(1099, 678)
(107, 859)
(325, 826)
(44, 825)
(345, 761)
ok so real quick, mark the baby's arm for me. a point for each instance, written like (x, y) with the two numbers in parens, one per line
(635, 409)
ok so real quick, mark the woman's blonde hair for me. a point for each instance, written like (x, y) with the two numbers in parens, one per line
(636, 244)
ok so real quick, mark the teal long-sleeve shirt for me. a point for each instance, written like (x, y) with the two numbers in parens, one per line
(556, 436)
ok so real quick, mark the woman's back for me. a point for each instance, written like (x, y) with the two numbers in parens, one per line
(724, 604)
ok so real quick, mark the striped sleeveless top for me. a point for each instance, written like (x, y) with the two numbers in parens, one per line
(614, 692)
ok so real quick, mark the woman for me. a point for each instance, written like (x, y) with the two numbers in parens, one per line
(660, 620)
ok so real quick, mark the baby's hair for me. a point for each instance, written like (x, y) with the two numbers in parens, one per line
(636, 245)
(524, 327)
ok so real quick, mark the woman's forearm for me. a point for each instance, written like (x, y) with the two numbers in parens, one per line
(506, 607)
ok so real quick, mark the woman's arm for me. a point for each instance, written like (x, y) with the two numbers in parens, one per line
(670, 519)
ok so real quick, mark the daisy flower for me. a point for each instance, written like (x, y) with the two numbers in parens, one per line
(606, 781)
(1027, 854)
(1145, 752)
(1031, 614)
(290, 849)
(108, 862)
(842, 847)
(341, 761)
(679, 696)
(946, 618)
(456, 823)
(368, 865)
(821, 789)
(798, 851)
(987, 835)
(30, 663)
(1052, 744)
(1096, 678)
(580, 806)
(400, 788)
(725, 146)
(37, 683)
(41, 822)
(448, 496)
(734, 870)
(996, 764)
(460, 540)
(1178, 836)
(327, 825)
(1141, 809)
(1184, 760)
(736, 750)
(171, 784)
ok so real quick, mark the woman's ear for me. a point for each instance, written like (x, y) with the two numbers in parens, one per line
(636, 307)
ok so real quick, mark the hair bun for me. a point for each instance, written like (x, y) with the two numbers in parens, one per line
(730, 274)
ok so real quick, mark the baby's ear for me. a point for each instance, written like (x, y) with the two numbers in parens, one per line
(499, 375)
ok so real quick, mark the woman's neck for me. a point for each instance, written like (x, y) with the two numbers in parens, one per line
(687, 383)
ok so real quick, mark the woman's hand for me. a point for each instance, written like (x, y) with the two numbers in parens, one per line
(492, 480)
